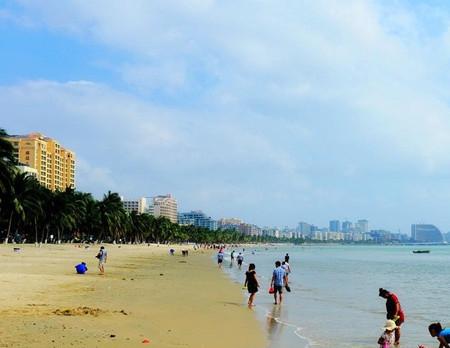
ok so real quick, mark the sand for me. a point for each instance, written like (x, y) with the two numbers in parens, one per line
(145, 296)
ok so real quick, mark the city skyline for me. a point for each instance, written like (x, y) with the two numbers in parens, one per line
(271, 121)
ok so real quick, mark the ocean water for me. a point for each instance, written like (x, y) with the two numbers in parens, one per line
(334, 300)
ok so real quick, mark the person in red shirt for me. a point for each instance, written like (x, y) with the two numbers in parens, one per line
(394, 311)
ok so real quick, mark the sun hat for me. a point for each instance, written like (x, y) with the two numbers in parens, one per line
(390, 325)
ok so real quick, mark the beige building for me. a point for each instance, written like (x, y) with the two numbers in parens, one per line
(54, 164)
(139, 206)
(165, 206)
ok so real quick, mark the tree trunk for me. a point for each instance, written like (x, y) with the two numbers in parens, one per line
(35, 233)
(9, 227)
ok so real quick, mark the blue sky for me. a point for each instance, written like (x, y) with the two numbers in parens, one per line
(272, 111)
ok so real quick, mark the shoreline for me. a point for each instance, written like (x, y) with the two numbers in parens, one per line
(146, 294)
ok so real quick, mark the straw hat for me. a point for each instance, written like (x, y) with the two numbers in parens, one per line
(390, 325)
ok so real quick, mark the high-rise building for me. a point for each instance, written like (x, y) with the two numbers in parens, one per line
(347, 226)
(165, 206)
(426, 233)
(139, 205)
(54, 164)
(303, 228)
(362, 226)
(335, 226)
(197, 218)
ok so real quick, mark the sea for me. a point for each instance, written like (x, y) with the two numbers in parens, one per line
(334, 298)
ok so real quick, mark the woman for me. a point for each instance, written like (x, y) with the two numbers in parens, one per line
(251, 283)
(443, 335)
(394, 311)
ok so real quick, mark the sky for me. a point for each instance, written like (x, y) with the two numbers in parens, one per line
(272, 111)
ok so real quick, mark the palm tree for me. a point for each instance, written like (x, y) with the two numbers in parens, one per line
(111, 216)
(19, 201)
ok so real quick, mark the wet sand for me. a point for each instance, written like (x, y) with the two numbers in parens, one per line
(146, 298)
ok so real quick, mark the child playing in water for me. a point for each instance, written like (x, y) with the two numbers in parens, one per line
(442, 335)
(387, 339)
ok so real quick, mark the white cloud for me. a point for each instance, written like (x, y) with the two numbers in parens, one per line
(297, 97)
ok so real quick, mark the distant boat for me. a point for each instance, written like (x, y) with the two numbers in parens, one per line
(421, 251)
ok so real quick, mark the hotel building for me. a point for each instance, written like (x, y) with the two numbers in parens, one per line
(54, 164)
(165, 206)
(139, 206)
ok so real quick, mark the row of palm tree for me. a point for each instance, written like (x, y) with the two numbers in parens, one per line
(30, 212)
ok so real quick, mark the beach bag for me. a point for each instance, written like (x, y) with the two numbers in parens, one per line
(271, 290)
(288, 288)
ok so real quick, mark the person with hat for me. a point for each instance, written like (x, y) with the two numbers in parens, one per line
(394, 310)
(387, 339)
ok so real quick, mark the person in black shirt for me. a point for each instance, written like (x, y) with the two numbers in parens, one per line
(251, 283)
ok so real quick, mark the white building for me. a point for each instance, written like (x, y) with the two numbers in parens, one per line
(165, 206)
(139, 206)
(23, 168)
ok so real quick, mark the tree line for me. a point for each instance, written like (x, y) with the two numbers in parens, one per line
(30, 212)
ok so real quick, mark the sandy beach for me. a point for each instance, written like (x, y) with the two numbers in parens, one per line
(170, 301)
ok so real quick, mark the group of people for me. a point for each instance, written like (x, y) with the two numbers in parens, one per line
(102, 256)
(279, 280)
(396, 317)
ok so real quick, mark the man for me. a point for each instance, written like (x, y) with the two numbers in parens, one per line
(286, 258)
(394, 311)
(279, 280)
(240, 259)
(232, 255)
(81, 268)
(102, 257)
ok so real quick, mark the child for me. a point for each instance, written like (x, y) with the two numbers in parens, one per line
(251, 283)
(443, 335)
(387, 339)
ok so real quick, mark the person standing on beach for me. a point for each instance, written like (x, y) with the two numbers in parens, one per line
(394, 310)
(286, 258)
(279, 280)
(442, 335)
(240, 259)
(102, 257)
(232, 255)
(220, 258)
(251, 282)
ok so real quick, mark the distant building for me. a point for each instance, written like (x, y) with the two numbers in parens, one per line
(229, 223)
(55, 165)
(165, 206)
(426, 233)
(197, 218)
(304, 229)
(335, 226)
(139, 206)
(362, 226)
(249, 229)
(347, 226)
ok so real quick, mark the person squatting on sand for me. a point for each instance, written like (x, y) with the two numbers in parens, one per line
(279, 280)
(394, 310)
(102, 257)
(251, 282)
(387, 339)
(81, 268)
